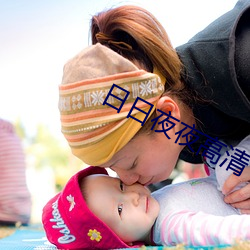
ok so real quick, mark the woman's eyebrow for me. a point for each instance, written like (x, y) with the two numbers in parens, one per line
(111, 165)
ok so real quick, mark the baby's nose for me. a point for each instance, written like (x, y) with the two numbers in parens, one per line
(133, 198)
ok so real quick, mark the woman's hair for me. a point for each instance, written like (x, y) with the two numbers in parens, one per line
(137, 35)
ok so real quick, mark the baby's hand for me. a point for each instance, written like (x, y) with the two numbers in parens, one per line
(240, 198)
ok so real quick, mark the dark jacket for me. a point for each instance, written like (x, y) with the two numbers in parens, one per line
(217, 66)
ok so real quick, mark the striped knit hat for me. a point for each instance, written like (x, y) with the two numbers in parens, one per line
(98, 91)
(15, 198)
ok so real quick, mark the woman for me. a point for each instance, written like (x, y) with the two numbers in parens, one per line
(206, 93)
(15, 198)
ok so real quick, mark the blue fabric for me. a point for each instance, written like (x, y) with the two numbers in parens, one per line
(26, 239)
(33, 238)
(186, 248)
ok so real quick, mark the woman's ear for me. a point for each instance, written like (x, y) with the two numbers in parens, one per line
(166, 104)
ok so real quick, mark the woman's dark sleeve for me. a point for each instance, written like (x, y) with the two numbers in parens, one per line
(216, 62)
(217, 66)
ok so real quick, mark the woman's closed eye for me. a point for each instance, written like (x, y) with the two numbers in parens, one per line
(121, 186)
(120, 206)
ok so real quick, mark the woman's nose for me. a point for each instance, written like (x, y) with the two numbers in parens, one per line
(126, 177)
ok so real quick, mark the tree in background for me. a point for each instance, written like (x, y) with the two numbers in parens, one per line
(44, 150)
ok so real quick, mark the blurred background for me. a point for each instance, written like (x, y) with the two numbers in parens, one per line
(36, 40)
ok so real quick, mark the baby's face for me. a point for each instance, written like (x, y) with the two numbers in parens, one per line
(130, 211)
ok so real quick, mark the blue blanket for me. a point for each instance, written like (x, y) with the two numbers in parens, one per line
(33, 238)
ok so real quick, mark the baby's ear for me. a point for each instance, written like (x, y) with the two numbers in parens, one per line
(166, 104)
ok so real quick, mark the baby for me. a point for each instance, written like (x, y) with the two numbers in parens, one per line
(96, 211)
(70, 224)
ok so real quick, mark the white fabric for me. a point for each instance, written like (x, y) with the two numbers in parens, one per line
(194, 212)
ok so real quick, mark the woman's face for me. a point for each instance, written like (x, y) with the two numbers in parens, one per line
(146, 159)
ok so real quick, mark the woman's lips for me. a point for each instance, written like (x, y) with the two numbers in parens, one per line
(148, 183)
